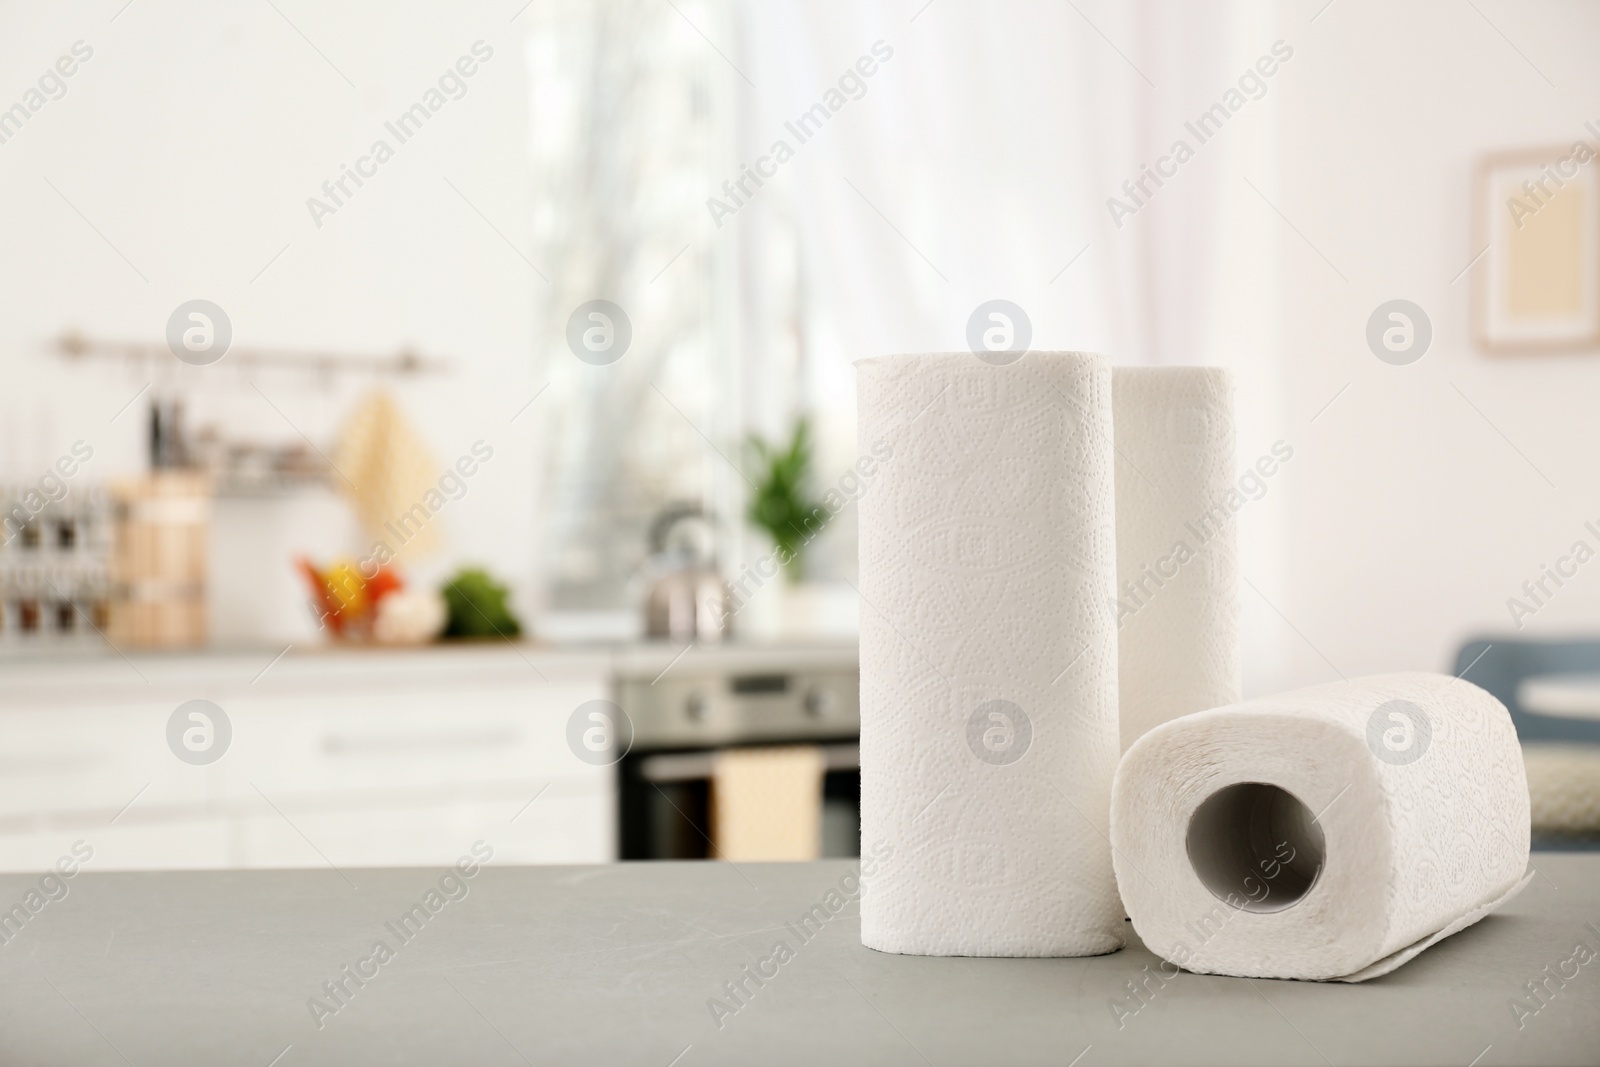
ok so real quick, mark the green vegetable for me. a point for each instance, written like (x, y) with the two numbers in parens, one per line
(780, 505)
(478, 606)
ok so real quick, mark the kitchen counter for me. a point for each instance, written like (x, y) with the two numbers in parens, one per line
(78, 667)
(619, 964)
(380, 756)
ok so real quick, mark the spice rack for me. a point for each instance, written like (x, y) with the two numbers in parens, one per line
(55, 581)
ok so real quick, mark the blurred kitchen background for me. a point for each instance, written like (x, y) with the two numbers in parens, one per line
(335, 441)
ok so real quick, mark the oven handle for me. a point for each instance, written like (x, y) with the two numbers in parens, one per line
(697, 766)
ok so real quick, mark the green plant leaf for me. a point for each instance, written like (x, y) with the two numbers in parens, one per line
(780, 504)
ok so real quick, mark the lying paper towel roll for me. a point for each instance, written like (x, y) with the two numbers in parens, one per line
(988, 655)
(1177, 572)
(1327, 833)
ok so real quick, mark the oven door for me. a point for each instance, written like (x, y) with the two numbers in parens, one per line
(682, 720)
(665, 804)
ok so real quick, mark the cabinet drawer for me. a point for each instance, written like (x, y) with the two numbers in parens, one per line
(415, 738)
(569, 827)
(93, 761)
(188, 844)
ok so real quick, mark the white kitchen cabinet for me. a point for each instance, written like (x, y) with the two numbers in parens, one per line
(351, 758)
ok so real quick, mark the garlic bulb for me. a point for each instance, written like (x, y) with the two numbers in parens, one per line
(409, 617)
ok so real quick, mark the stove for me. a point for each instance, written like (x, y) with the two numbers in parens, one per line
(686, 708)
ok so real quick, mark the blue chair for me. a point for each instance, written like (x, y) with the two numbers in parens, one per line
(1500, 665)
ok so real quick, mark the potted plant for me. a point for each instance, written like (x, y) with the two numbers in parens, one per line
(784, 508)
(781, 505)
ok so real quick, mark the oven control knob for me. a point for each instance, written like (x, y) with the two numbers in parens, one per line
(818, 702)
(696, 707)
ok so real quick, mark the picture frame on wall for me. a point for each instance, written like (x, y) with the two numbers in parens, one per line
(1537, 283)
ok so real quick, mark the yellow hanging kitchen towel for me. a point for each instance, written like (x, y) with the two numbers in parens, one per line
(766, 803)
(389, 477)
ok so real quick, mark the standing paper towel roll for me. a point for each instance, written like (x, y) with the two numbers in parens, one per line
(1328, 833)
(1177, 570)
(988, 655)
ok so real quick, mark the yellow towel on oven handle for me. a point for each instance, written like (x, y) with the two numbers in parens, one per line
(766, 803)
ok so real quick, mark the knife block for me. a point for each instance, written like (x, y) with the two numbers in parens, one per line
(158, 560)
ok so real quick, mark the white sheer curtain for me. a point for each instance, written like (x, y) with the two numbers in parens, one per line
(977, 164)
(980, 158)
(956, 152)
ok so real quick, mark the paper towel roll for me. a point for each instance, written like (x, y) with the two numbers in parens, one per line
(1326, 833)
(1177, 571)
(988, 655)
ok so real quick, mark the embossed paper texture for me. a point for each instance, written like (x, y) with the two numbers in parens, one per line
(1177, 556)
(1418, 792)
(988, 655)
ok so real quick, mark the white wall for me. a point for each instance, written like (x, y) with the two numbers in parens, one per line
(1411, 518)
(191, 141)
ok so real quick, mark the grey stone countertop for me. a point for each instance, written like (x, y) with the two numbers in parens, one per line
(627, 964)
